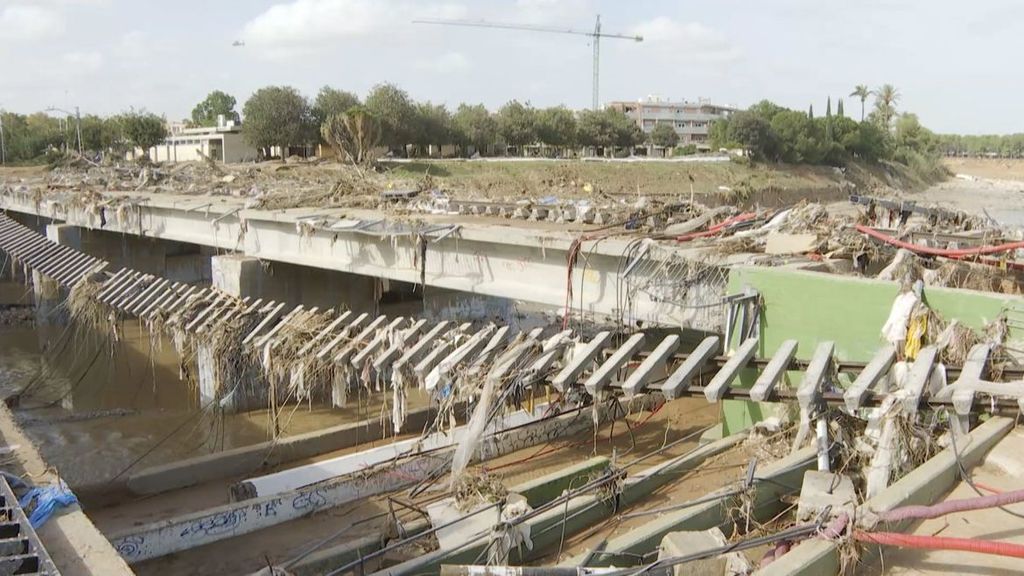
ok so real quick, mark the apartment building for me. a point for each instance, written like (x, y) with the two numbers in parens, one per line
(691, 120)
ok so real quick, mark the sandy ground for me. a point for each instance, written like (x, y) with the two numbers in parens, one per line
(993, 188)
(1002, 470)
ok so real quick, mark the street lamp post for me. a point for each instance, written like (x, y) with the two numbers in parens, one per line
(3, 144)
(78, 124)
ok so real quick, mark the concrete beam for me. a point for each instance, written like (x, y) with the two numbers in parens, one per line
(196, 529)
(578, 513)
(509, 262)
(923, 485)
(772, 483)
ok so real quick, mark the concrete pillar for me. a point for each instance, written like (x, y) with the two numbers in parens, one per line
(236, 274)
(46, 292)
(247, 276)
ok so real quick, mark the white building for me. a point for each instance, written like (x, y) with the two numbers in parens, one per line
(691, 120)
(223, 143)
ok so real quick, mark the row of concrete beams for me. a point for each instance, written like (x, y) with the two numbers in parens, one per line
(64, 264)
(581, 511)
(135, 293)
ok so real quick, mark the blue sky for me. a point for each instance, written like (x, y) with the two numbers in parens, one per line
(951, 61)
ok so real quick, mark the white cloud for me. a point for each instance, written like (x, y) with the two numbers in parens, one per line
(312, 24)
(447, 63)
(686, 41)
(28, 22)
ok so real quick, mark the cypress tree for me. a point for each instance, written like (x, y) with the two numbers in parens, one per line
(839, 108)
(828, 108)
(810, 112)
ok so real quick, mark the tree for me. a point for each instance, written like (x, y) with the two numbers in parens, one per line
(869, 142)
(839, 108)
(216, 103)
(799, 141)
(754, 133)
(718, 134)
(810, 112)
(330, 102)
(556, 126)
(434, 125)
(607, 129)
(766, 109)
(909, 133)
(395, 111)
(355, 133)
(664, 135)
(97, 134)
(474, 126)
(861, 91)
(886, 98)
(517, 124)
(277, 116)
(142, 129)
(828, 120)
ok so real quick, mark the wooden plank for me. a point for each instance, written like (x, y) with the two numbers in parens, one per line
(694, 363)
(604, 373)
(877, 369)
(579, 362)
(721, 381)
(774, 371)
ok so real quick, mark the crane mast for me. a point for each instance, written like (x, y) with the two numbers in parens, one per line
(595, 38)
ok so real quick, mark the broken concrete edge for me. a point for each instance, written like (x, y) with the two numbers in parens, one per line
(230, 520)
(74, 544)
(923, 485)
(578, 513)
(537, 492)
(247, 459)
(780, 478)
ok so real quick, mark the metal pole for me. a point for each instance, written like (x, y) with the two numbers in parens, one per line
(597, 60)
(78, 129)
(3, 145)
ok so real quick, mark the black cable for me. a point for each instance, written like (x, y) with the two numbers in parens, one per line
(966, 478)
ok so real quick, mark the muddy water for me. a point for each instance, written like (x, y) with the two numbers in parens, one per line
(95, 408)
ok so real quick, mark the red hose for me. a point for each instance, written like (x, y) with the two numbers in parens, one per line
(713, 230)
(943, 508)
(940, 543)
(945, 252)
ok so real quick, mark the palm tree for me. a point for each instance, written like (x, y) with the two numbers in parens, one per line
(886, 98)
(861, 91)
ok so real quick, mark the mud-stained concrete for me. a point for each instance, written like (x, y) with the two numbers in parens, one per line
(282, 542)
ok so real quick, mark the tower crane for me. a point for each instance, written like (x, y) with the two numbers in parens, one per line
(595, 38)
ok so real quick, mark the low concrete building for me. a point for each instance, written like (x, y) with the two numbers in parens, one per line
(691, 120)
(223, 143)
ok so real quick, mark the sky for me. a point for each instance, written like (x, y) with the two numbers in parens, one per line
(949, 60)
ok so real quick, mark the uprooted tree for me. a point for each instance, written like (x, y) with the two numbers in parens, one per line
(355, 133)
